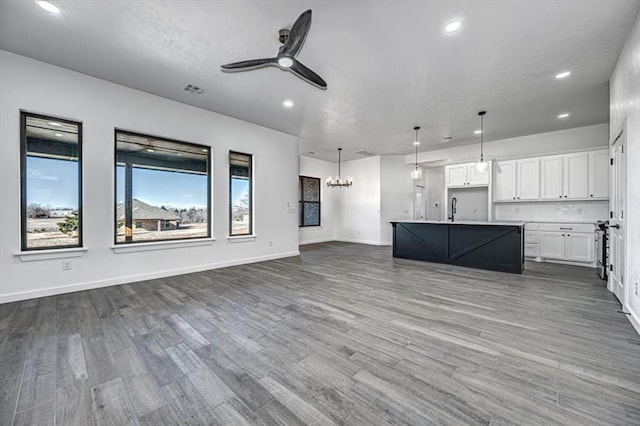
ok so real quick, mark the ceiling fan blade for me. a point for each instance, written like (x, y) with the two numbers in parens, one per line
(251, 64)
(306, 74)
(297, 35)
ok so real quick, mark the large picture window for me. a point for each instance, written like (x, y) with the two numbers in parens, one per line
(162, 189)
(51, 182)
(240, 194)
(309, 204)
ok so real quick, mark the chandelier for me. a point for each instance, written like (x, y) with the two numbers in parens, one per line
(417, 172)
(338, 181)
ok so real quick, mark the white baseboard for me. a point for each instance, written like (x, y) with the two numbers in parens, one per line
(52, 291)
(316, 241)
(634, 319)
(351, 240)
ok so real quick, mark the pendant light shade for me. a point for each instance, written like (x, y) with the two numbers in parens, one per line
(338, 182)
(416, 173)
(481, 166)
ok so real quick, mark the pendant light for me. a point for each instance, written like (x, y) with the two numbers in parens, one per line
(481, 166)
(416, 173)
(337, 181)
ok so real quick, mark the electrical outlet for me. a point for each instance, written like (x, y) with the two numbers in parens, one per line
(66, 265)
(636, 288)
(405, 211)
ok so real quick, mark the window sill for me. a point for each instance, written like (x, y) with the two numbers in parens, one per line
(241, 238)
(160, 245)
(30, 256)
(310, 228)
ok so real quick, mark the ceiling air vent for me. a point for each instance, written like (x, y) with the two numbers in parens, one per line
(194, 90)
(365, 153)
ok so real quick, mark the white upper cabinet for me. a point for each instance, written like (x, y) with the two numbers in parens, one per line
(528, 179)
(475, 177)
(505, 181)
(456, 175)
(551, 182)
(575, 175)
(579, 176)
(599, 174)
(465, 175)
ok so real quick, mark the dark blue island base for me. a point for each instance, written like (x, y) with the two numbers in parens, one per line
(495, 246)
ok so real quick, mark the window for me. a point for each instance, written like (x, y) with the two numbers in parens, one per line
(163, 186)
(240, 194)
(309, 201)
(51, 182)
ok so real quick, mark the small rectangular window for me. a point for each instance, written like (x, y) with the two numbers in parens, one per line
(163, 186)
(240, 194)
(51, 182)
(309, 203)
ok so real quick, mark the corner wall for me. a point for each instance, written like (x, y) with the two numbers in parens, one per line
(625, 105)
(100, 105)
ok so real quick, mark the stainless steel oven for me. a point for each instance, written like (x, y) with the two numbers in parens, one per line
(602, 247)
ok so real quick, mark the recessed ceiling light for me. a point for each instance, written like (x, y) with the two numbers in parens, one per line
(453, 26)
(477, 132)
(564, 115)
(563, 74)
(51, 8)
(53, 123)
(59, 135)
(287, 103)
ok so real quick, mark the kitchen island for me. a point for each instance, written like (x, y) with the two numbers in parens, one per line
(496, 246)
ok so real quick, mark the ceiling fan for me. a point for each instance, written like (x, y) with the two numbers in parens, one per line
(286, 59)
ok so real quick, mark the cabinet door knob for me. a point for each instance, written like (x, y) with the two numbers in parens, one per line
(514, 198)
(518, 198)
(565, 196)
(591, 195)
(560, 196)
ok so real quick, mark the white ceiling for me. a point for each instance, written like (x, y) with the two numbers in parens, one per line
(388, 64)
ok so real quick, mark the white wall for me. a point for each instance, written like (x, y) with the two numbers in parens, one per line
(471, 204)
(38, 87)
(358, 213)
(396, 194)
(313, 167)
(625, 105)
(435, 193)
(577, 139)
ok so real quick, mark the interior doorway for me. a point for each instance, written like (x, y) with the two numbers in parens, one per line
(617, 228)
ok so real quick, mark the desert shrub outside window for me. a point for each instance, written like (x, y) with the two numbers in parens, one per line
(51, 182)
(163, 189)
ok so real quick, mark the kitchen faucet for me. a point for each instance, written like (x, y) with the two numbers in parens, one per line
(454, 203)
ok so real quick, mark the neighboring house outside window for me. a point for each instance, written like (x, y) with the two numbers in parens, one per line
(51, 182)
(309, 202)
(163, 187)
(240, 194)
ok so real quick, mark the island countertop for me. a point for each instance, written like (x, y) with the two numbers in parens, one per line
(460, 222)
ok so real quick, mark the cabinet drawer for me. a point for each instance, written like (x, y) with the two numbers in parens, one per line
(531, 237)
(530, 226)
(567, 227)
(531, 250)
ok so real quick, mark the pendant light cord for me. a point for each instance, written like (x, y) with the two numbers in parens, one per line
(339, 161)
(416, 144)
(481, 114)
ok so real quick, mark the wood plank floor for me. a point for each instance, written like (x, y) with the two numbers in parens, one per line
(344, 334)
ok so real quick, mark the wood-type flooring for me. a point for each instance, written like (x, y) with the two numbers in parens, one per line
(343, 334)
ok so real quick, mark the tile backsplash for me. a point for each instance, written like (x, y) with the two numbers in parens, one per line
(565, 211)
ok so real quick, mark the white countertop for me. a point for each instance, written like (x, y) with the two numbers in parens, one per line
(461, 222)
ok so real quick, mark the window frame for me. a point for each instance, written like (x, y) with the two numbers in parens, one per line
(302, 202)
(125, 243)
(23, 181)
(250, 233)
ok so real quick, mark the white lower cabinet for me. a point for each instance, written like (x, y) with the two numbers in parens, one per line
(579, 247)
(561, 242)
(552, 245)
